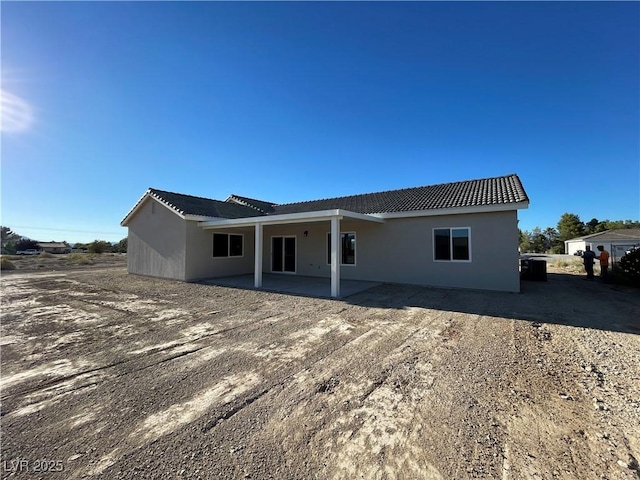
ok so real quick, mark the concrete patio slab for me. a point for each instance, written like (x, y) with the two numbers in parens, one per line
(293, 284)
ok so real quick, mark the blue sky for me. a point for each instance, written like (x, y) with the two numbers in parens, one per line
(296, 101)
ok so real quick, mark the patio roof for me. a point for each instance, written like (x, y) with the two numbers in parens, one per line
(303, 217)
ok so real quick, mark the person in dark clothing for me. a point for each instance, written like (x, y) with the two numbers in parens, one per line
(588, 258)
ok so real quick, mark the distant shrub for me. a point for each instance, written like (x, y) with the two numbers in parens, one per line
(6, 264)
(80, 259)
(46, 255)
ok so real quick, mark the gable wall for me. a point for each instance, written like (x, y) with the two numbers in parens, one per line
(156, 245)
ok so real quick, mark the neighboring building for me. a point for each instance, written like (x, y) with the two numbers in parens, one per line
(616, 242)
(460, 235)
(54, 247)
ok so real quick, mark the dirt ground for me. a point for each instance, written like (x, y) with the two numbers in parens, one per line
(115, 376)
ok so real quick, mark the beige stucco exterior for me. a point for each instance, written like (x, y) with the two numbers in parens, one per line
(400, 250)
(200, 262)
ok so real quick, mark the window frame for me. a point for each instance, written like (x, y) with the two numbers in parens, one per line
(229, 254)
(355, 249)
(451, 246)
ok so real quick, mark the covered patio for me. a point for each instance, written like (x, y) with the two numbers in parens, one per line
(293, 284)
(333, 217)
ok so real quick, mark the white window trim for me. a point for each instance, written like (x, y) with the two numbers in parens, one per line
(433, 240)
(229, 245)
(355, 259)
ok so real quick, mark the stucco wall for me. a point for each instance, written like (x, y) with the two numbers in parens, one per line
(200, 262)
(156, 242)
(401, 250)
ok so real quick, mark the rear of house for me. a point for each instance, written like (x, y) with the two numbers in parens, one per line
(457, 235)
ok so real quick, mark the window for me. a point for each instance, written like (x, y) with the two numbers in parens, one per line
(347, 252)
(235, 245)
(226, 245)
(451, 244)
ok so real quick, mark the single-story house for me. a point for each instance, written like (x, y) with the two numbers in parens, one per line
(459, 235)
(54, 247)
(616, 242)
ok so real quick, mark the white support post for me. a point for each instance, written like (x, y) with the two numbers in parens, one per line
(335, 261)
(257, 275)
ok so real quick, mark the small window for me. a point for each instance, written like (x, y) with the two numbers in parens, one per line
(347, 252)
(225, 245)
(451, 244)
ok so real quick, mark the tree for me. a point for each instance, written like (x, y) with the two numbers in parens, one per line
(121, 246)
(618, 224)
(26, 244)
(570, 226)
(9, 240)
(538, 241)
(591, 226)
(533, 242)
(524, 244)
(551, 238)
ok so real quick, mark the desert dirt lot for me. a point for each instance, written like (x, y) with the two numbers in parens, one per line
(115, 376)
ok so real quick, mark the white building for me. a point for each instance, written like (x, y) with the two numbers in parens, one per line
(616, 242)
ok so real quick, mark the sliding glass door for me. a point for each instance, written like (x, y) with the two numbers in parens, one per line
(283, 254)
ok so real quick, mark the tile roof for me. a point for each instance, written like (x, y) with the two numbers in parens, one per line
(206, 207)
(471, 193)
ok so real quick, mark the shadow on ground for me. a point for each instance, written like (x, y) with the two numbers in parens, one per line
(564, 299)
